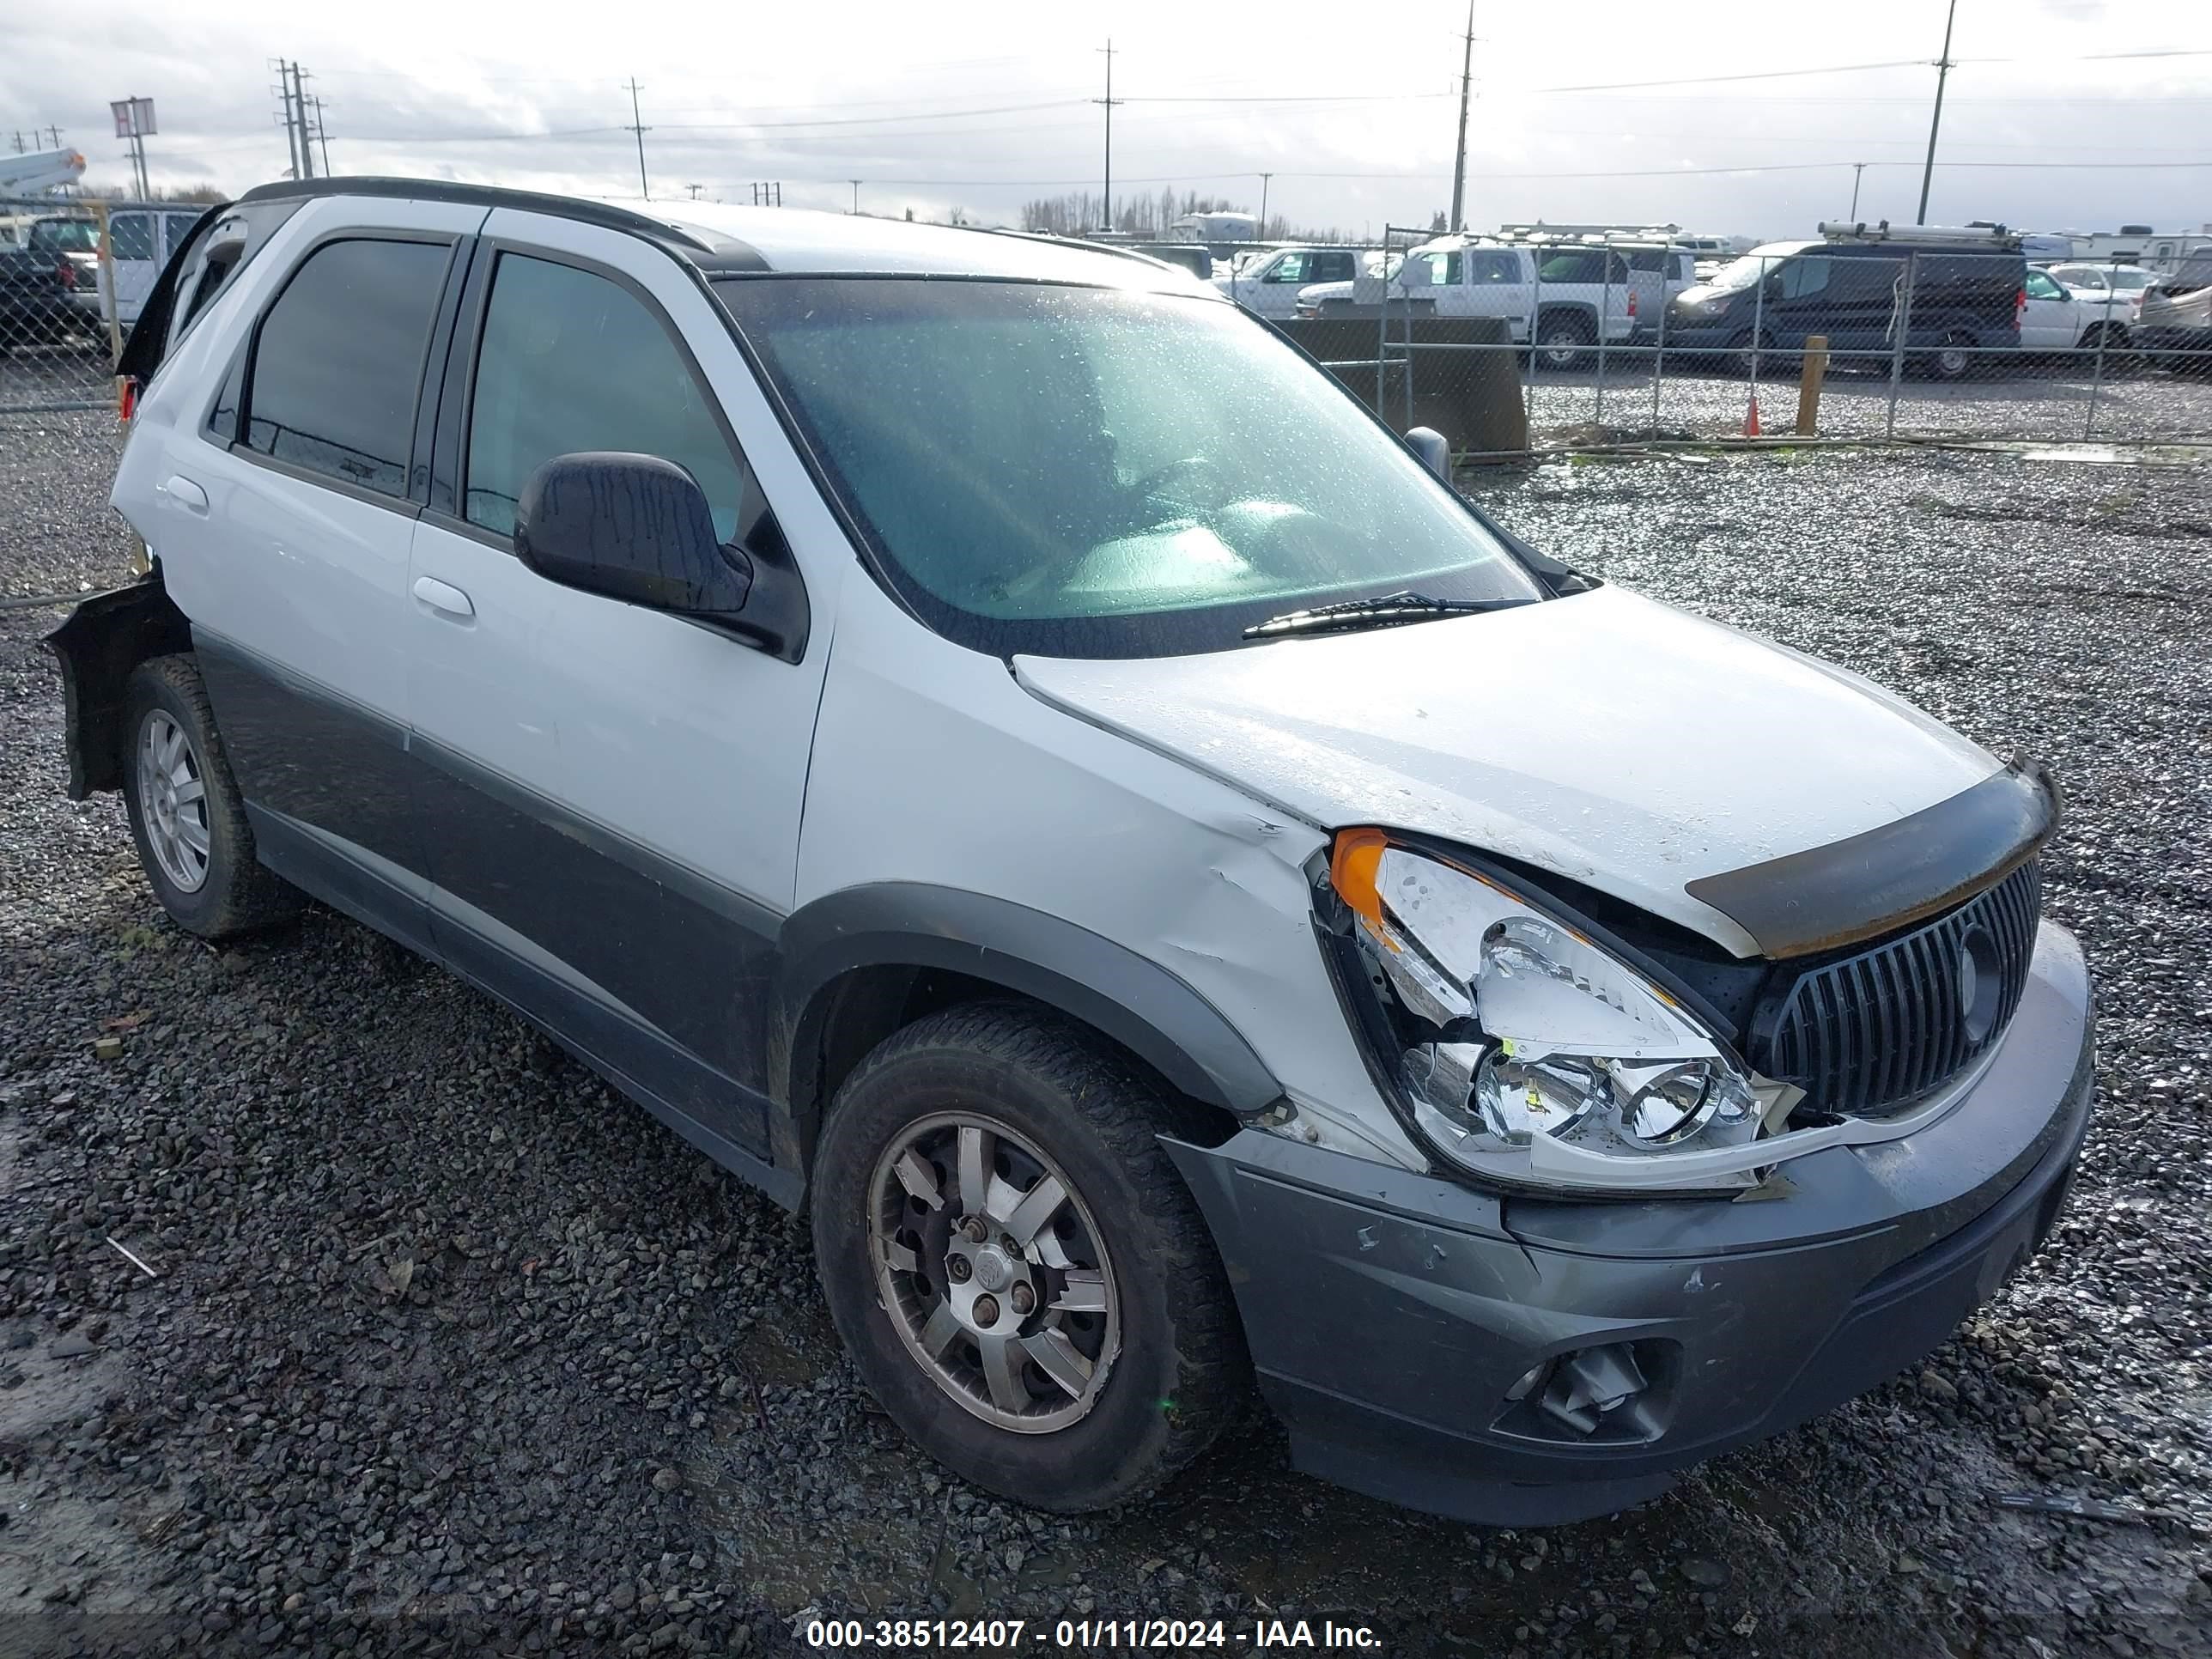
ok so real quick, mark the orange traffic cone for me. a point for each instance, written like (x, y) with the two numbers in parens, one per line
(1751, 418)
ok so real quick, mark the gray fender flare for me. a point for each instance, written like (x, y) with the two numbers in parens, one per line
(1135, 1001)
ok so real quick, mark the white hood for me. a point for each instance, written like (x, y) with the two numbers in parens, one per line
(1612, 739)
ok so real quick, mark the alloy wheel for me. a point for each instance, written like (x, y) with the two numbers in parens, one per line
(993, 1272)
(173, 799)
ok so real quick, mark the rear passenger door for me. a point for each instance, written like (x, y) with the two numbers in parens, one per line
(283, 522)
(610, 793)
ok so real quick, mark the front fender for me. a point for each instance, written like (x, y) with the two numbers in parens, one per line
(1137, 1002)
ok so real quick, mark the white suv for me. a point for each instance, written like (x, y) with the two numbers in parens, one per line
(1177, 893)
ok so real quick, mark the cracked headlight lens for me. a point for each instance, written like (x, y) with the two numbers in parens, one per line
(1530, 1052)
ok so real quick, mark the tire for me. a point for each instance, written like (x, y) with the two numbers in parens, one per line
(1165, 1367)
(1563, 339)
(195, 826)
(1951, 360)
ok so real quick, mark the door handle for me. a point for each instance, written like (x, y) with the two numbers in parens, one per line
(186, 494)
(443, 597)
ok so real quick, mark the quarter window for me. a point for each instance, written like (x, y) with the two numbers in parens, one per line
(573, 361)
(339, 361)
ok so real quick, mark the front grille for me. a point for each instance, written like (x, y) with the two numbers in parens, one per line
(1866, 1034)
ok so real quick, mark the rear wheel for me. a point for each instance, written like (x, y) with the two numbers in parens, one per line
(1563, 339)
(1014, 1264)
(186, 816)
(1952, 359)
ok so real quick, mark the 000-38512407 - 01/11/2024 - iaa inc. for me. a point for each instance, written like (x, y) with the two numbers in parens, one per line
(1088, 1635)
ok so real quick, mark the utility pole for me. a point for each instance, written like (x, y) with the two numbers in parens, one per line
(1858, 171)
(638, 126)
(1264, 178)
(1109, 101)
(53, 137)
(299, 79)
(1459, 159)
(1942, 74)
(695, 190)
(855, 183)
(322, 135)
(19, 140)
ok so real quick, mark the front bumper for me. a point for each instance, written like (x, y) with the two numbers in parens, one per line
(1388, 1312)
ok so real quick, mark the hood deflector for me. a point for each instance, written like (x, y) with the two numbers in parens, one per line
(1889, 877)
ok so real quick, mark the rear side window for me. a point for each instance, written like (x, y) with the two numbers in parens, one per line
(339, 361)
(1332, 267)
(571, 362)
(131, 235)
(1493, 268)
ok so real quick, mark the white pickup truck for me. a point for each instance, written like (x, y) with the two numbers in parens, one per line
(1575, 294)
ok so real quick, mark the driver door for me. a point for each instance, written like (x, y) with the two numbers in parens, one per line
(610, 793)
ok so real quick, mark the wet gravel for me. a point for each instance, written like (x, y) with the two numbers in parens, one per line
(449, 1350)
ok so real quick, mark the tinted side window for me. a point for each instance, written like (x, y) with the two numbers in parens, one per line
(179, 226)
(131, 235)
(339, 361)
(571, 361)
(1493, 268)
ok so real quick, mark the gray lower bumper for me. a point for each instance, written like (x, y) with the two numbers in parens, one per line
(1388, 1312)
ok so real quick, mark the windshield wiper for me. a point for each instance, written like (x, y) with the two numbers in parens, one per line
(1389, 611)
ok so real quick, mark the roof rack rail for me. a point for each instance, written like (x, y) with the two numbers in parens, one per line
(1996, 236)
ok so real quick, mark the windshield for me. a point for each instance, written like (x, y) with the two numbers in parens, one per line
(1074, 472)
(1746, 272)
(2196, 272)
(66, 235)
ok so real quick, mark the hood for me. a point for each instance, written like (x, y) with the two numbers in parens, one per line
(1614, 741)
(1699, 292)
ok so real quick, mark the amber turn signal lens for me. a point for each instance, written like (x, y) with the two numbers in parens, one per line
(1355, 868)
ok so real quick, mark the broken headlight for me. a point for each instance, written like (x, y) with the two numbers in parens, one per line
(1528, 1051)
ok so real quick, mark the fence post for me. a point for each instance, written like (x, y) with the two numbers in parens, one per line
(1536, 315)
(1659, 356)
(1758, 326)
(1812, 370)
(1604, 319)
(1901, 320)
(111, 299)
(2097, 380)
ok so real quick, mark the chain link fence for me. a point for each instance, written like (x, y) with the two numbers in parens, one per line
(1856, 336)
(58, 334)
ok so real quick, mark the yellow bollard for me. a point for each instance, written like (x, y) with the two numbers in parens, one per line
(1808, 385)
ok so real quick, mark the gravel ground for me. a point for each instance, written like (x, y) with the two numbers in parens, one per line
(451, 1352)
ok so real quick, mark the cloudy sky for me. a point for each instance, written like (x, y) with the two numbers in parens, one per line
(1720, 115)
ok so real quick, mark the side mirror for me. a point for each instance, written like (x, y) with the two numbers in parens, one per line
(1432, 446)
(633, 528)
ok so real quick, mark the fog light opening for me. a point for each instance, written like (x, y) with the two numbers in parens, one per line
(1586, 1388)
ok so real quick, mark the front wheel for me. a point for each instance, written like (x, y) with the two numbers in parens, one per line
(1015, 1266)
